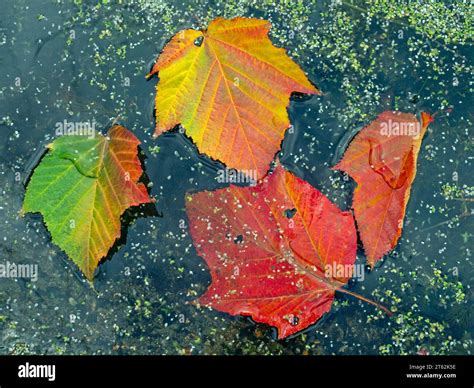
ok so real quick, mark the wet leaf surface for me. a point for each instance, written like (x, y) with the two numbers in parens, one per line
(276, 269)
(382, 160)
(229, 87)
(82, 187)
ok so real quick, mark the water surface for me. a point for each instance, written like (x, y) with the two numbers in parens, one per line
(87, 60)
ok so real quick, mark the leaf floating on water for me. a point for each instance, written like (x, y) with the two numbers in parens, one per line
(82, 187)
(277, 251)
(229, 87)
(382, 160)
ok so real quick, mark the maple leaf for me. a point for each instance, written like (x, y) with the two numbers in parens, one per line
(229, 87)
(82, 187)
(382, 160)
(272, 250)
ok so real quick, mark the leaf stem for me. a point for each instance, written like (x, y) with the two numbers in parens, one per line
(378, 305)
(339, 287)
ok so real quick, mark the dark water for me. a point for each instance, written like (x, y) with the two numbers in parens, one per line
(84, 61)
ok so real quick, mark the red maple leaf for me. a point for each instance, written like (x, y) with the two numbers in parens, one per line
(277, 252)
